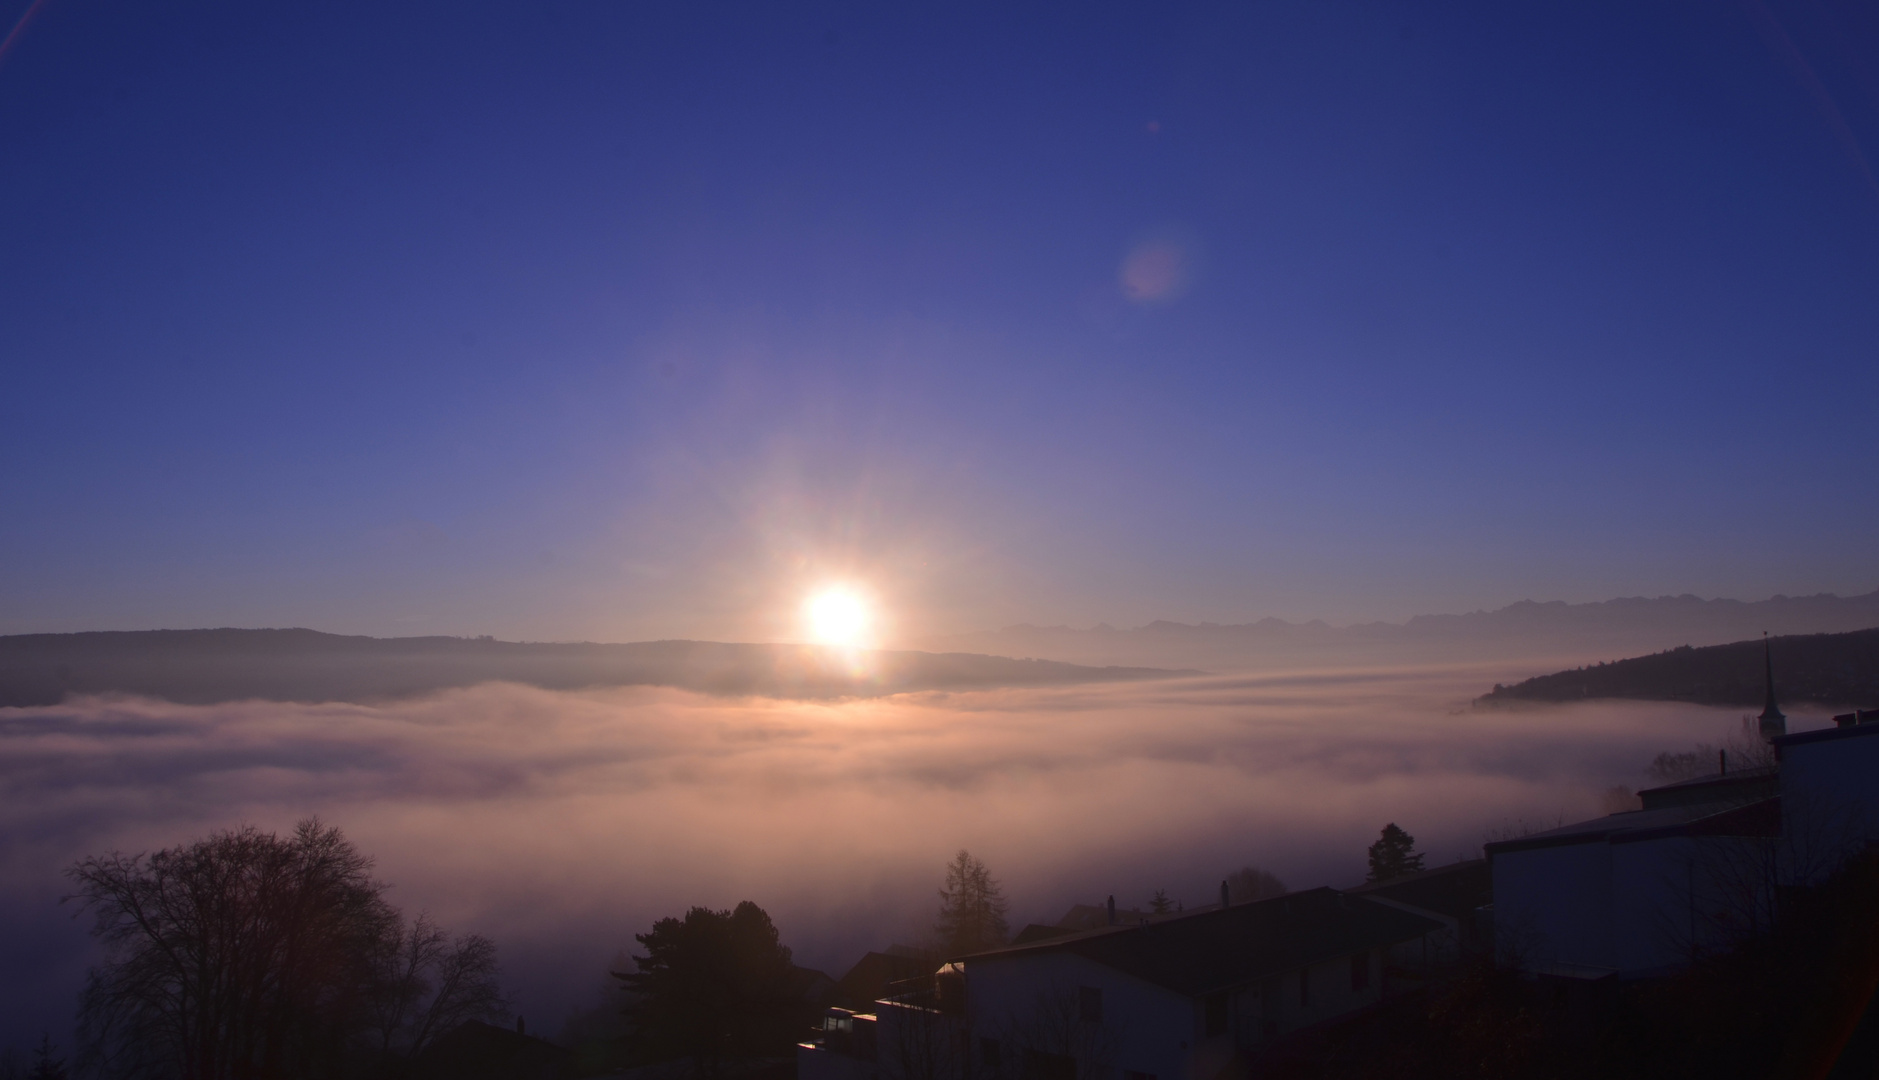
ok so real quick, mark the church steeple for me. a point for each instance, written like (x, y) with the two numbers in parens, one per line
(1773, 723)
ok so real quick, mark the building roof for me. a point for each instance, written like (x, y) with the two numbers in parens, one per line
(1202, 952)
(1739, 786)
(1040, 932)
(1832, 734)
(1454, 890)
(869, 978)
(1685, 819)
(1092, 916)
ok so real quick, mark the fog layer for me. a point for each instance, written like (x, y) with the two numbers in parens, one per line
(562, 823)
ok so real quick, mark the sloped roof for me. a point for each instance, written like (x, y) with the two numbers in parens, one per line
(868, 979)
(1096, 916)
(1203, 952)
(1040, 932)
(1740, 786)
(1832, 734)
(1454, 890)
(1692, 819)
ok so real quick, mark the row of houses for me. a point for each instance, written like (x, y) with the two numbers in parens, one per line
(1700, 865)
(1149, 998)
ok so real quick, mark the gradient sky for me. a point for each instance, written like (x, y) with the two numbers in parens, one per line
(616, 321)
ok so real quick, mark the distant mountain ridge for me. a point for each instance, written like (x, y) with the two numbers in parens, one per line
(209, 666)
(1608, 629)
(1826, 669)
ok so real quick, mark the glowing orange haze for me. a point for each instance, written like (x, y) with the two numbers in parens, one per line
(563, 823)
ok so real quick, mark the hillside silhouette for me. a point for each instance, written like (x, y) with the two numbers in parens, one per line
(1830, 669)
(209, 666)
(1552, 631)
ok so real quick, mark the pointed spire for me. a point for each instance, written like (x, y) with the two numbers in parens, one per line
(1773, 723)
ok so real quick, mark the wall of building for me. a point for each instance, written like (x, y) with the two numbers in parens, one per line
(1331, 994)
(1146, 1029)
(1553, 905)
(1678, 897)
(1829, 801)
(919, 1042)
(1153, 1030)
(1639, 908)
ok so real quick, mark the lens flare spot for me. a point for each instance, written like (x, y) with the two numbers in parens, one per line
(1159, 267)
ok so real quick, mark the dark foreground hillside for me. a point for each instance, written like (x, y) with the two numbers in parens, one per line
(1829, 669)
(207, 666)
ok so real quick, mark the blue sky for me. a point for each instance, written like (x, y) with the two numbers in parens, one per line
(619, 321)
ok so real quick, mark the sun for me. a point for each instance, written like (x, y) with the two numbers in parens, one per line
(840, 617)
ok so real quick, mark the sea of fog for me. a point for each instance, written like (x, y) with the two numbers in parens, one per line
(560, 824)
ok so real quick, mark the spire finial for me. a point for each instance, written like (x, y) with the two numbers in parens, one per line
(1773, 723)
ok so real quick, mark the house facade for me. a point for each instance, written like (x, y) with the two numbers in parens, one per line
(1185, 998)
(1700, 868)
(1642, 892)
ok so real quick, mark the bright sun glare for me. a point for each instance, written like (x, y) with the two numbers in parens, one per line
(839, 617)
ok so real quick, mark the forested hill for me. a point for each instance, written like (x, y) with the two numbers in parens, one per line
(206, 666)
(1825, 669)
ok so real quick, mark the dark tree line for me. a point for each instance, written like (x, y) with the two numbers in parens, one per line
(248, 954)
(715, 986)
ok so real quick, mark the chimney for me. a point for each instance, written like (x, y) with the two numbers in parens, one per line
(520, 1027)
(1224, 897)
(1112, 910)
(1722, 762)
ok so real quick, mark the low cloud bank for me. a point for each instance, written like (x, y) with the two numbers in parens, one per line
(562, 823)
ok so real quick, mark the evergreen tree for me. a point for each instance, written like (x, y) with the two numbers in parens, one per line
(1159, 904)
(1393, 855)
(46, 1066)
(716, 986)
(972, 910)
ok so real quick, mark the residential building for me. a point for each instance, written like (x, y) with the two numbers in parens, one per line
(1459, 896)
(1699, 867)
(1166, 1000)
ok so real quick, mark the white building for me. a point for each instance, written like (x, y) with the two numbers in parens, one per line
(1829, 794)
(1700, 867)
(1642, 892)
(1182, 998)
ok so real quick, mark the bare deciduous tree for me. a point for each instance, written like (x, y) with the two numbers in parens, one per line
(972, 910)
(249, 954)
(429, 983)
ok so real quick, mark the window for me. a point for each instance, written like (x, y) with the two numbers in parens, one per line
(989, 1053)
(1360, 971)
(1216, 1018)
(1304, 986)
(1090, 1004)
